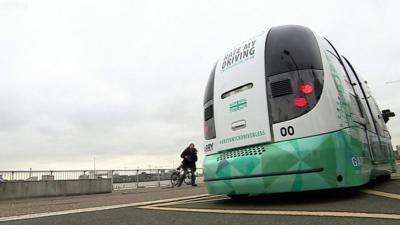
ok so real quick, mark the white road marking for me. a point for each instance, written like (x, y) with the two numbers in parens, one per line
(72, 211)
(381, 193)
(191, 201)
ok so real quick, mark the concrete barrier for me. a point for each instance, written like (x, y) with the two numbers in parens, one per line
(30, 189)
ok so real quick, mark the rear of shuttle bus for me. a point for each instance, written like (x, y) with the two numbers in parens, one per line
(265, 123)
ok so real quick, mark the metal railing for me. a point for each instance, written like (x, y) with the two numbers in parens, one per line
(36, 175)
(122, 179)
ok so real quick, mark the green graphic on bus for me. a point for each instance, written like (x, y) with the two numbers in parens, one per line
(238, 105)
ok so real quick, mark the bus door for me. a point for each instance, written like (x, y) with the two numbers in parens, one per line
(240, 103)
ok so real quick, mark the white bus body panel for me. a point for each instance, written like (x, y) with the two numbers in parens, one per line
(323, 118)
(246, 110)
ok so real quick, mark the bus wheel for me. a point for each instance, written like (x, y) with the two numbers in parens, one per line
(385, 177)
(238, 197)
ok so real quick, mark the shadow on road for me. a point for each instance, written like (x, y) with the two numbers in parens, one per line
(303, 198)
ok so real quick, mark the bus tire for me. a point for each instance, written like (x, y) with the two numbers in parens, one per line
(238, 197)
(386, 177)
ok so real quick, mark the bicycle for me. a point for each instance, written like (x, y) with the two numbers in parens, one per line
(177, 175)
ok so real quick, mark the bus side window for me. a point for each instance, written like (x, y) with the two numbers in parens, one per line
(363, 94)
(209, 123)
(354, 102)
(340, 70)
(356, 96)
(380, 124)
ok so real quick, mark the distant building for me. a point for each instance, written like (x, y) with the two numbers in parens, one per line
(142, 177)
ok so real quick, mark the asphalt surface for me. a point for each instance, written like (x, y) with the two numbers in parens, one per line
(52, 204)
(375, 203)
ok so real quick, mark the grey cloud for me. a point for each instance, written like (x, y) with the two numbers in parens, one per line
(123, 81)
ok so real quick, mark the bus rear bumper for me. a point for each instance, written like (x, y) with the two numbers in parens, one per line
(313, 163)
(268, 183)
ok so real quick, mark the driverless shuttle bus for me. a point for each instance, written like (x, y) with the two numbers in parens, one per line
(285, 112)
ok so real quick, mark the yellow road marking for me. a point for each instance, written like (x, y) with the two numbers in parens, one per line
(381, 193)
(280, 213)
(161, 206)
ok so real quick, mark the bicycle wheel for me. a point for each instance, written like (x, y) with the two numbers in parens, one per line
(188, 178)
(174, 178)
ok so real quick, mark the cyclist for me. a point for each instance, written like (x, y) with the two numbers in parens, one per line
(189, 156)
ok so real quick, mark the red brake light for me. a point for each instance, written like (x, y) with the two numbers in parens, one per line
(300, 102)
(306, 88)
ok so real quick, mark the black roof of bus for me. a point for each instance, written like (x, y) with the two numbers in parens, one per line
(289, 48)
(209, 93)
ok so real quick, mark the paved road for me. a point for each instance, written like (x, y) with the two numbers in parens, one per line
(51, 204)
(376, 203)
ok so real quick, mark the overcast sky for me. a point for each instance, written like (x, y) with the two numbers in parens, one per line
(123, 81)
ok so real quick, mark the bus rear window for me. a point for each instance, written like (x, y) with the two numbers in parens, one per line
(290, 48)
(294, 72)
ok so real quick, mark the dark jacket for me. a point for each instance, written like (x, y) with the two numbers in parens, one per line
(189, 157)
